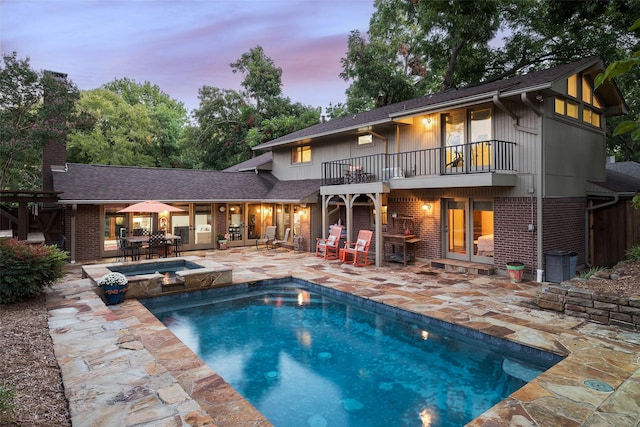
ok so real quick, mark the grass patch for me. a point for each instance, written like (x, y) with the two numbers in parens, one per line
(590, 272)
(633, 253)
(7, 408)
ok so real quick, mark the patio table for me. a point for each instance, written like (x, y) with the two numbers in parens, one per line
(406, 240)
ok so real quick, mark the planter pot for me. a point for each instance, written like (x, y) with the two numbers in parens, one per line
(515, 270)
(222, 244)
(114, 294)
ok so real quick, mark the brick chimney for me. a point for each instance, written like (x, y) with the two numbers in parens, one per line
(54, 152)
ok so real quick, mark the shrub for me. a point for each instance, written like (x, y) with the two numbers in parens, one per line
(590, 272)
(633, 253)
(26, 269)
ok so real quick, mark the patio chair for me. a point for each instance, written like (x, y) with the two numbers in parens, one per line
(328, 248)
(359, 250)
(156, 245)
(269, 237)
(182, 234)
(285, 241)
(127, 250)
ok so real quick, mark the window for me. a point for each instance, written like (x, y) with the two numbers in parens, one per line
(586, 92)
(591, 117)
(480, 125)
(572, 109)
(365, 139)
(572, 86)
(301, 154)
(587, 96)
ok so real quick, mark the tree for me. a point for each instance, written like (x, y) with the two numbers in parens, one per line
(133, 124)
(118, 135)
(631, 127)
(27, 122)
(431, 45)
(230, 123)
(418, 47)
(262, 79)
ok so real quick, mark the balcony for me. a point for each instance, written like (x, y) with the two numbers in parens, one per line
(473, 158)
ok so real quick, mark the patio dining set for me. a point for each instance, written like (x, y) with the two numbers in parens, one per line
(150, 245)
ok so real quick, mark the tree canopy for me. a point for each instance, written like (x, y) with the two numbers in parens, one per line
(418, 47)
(131, 124)
(229, 123)
(28, 121)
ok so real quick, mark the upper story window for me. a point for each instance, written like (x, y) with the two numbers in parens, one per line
(580, 89)
(301, 154)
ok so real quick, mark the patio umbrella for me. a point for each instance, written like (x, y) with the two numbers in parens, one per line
(151, 206)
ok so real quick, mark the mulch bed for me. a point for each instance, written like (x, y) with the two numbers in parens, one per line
(28, 365)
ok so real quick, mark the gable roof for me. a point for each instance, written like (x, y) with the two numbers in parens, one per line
(533, 82)
(100, 184)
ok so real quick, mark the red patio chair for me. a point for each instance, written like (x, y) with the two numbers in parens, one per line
(328, 248)
(358, 249)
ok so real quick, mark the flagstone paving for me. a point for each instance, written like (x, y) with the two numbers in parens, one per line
(122, 367)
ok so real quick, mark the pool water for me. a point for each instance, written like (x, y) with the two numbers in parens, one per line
(155, 267)
(307, 359)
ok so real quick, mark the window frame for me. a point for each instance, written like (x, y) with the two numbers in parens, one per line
(298, 154)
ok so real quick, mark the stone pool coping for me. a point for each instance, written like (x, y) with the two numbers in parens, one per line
(489, 304)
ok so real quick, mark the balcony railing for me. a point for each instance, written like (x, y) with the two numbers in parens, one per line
(476, 157)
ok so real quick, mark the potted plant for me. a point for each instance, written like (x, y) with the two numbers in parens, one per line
(114, 286)
(515, 270)
(222, 240)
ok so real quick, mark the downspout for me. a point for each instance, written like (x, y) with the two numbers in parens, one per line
(74, 211)
(586, 225)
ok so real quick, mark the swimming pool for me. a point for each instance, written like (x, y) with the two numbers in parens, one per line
(303, 355)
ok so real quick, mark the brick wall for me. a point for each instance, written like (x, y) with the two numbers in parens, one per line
(423, 224)
(512, 240)
(87, 239)
(563, 229)
(564, 225)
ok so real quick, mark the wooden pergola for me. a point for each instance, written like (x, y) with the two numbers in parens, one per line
(23, 198)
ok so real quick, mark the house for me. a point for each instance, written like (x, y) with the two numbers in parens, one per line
(493, 173)
(497, 172)
(212, 202)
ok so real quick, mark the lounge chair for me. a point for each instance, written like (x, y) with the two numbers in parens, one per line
(328, 248)
(269, 237)
(285, 241)
(358, 249)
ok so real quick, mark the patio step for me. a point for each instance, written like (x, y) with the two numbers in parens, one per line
(457, 266)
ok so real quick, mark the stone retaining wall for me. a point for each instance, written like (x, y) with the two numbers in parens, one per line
(605, 309)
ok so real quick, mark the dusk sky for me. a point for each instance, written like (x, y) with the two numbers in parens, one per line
(183, 45)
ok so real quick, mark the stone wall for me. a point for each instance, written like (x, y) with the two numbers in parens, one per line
(605, 309)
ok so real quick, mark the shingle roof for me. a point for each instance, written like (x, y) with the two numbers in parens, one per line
(621, 182)
(257, 162)
(82, 183)
(627, 168)
(384, 114)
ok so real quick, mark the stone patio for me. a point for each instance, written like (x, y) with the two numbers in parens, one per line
(122, 367)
